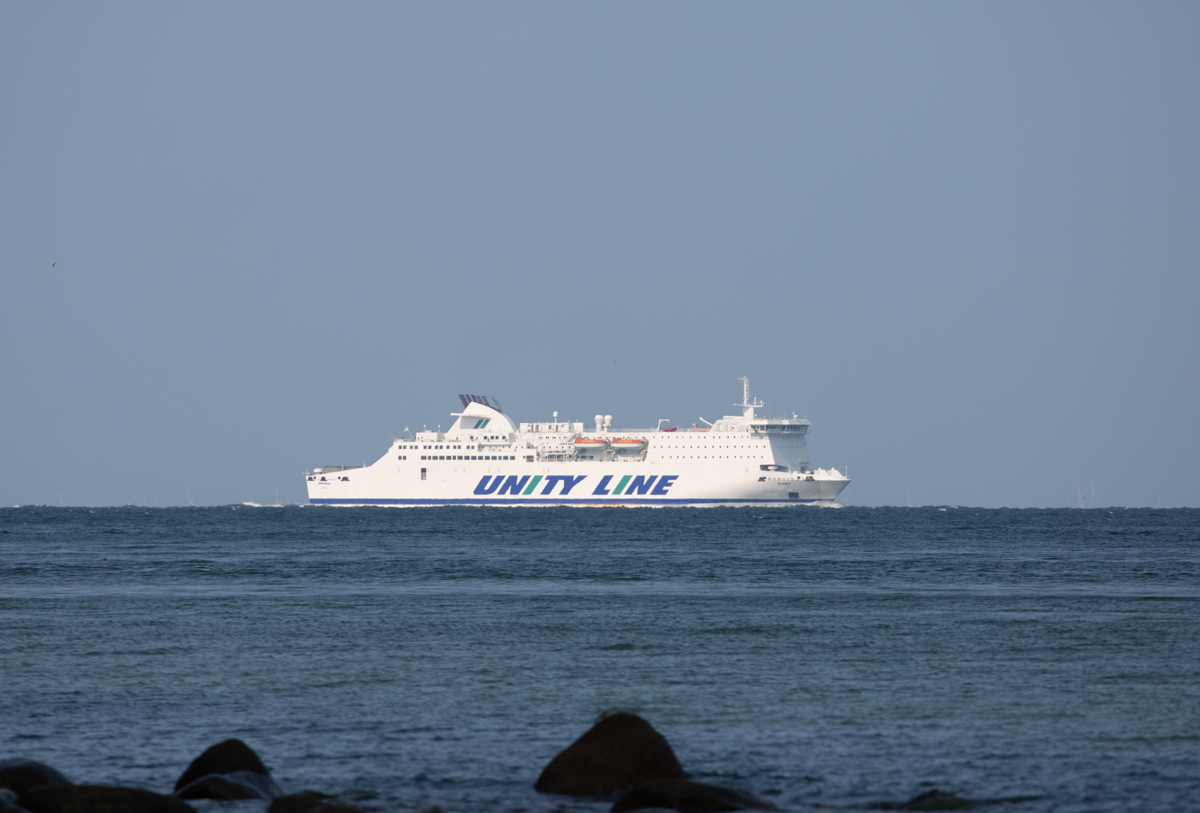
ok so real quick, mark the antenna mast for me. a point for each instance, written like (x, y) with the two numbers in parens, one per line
(748, 406)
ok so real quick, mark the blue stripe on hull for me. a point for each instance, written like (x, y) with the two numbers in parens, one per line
(552, 501)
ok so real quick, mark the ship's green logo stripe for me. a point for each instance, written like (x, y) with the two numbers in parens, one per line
(532, 484)
(621, 485)
(481, 423)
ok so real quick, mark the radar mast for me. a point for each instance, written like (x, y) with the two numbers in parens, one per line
(748, 406)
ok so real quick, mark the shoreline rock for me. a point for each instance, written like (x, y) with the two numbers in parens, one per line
(228, 756)
(99, 799)
(620, 751)
(227, 771)
(21, 775)
(8, 802)
(230, 787)
(687, 797)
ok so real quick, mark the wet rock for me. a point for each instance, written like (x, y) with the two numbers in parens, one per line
(231, 757)
(8, 802)
(938, 800)
(620, 751)
(310, 802)
(686, 797)
(231, 786)
(20, 775)
(98, 799)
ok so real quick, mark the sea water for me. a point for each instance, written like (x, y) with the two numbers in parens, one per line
(404, 659)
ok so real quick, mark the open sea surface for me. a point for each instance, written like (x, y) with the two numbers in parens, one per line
(410, 658)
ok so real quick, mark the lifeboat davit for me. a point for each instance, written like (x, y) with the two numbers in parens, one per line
(629, 444)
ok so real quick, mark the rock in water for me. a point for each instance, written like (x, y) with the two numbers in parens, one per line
(938, 800)
(236, 763)
(231, 786)
(20, 775)
(620, 751)
(97, 799)
(229, 756)
(309, 802)
(687, 797)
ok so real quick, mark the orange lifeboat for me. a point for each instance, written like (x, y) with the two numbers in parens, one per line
(629, 444)
(590, 445)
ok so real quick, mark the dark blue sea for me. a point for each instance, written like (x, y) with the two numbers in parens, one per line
(406, 659)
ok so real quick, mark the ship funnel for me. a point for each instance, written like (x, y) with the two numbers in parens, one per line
(599, 423)
(607, 422)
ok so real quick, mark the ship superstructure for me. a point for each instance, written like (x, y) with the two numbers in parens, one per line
(485, 458)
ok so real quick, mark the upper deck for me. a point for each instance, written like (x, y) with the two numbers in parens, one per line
(482, 432)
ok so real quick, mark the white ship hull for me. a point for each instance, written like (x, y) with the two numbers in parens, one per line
(486, 459)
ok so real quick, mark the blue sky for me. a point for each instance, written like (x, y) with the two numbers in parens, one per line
(240, 240)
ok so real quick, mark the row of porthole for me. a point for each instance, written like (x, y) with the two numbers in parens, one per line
(467, 457)
(705, 457)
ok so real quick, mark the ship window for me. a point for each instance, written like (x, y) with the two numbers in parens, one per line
(422, 474)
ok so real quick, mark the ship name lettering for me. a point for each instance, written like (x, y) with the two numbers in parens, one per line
(513, 486)
(523, 486)
(568, 483)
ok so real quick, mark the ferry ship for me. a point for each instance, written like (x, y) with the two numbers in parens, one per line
(486, 458)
